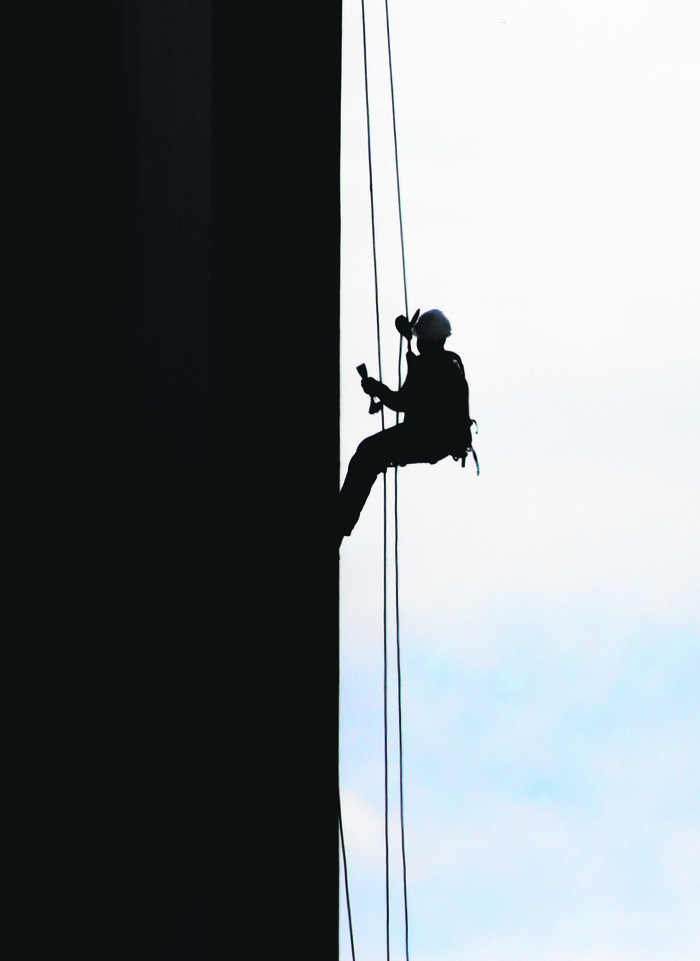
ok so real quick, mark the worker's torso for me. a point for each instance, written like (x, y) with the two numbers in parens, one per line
(437, 396)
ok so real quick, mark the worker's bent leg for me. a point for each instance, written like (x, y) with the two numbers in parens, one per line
(372, 456)
(396, 445)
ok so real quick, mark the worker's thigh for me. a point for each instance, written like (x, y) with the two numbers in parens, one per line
(396, 445)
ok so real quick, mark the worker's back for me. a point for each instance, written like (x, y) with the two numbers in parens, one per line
(435, 397)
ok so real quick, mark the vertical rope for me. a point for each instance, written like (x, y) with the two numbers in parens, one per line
(396, 483)
(398, 677)
(396, 154)
(371, 199)
(345, 872)
(396, 524)
(379, 362)
(386, 732)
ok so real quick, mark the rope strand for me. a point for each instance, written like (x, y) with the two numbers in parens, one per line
(396, 473)
(345, 871)
(396, 524)
(379, 362)
(396, 153)
(371, 199)
(398, 678)
(386, 735)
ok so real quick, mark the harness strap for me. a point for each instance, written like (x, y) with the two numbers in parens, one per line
(464, 455)
(469, 450)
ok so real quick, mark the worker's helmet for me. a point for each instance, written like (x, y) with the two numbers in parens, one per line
(432, 325)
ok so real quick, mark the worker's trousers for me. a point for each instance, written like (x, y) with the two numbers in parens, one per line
(395, 446)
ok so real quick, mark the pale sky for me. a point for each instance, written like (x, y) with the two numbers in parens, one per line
(550, 626)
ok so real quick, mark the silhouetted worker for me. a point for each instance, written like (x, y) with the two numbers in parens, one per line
(435, 400)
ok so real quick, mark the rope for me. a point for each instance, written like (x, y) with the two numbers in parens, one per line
(345, 871)
(396, 158)
(379, 362)
(371, 198)
(386, 735)
(396, 524)
(396, 477)
(398, 678)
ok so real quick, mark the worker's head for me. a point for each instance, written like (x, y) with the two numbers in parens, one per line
(431, 330)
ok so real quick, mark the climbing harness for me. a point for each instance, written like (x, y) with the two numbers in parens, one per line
(462, 455)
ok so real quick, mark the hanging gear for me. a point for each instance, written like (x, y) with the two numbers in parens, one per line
(375, 403)
(463, 411)
(405, 326)
(469, 450)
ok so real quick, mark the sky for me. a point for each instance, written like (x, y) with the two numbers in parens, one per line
(550, 625)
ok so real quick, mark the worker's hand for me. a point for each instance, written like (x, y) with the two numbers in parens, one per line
(405, 326)
(371, 386)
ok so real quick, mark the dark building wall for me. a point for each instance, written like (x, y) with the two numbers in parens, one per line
(179, 236)
(166, 144)
(229, 301)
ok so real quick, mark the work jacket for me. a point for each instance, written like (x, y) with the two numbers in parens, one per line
(435, 400)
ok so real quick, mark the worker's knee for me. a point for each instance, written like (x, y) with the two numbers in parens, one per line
(372, 454)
